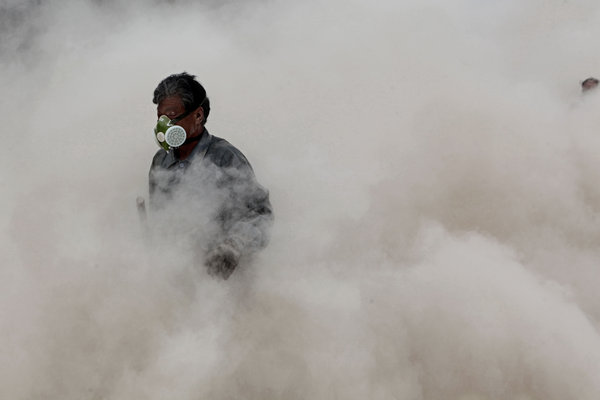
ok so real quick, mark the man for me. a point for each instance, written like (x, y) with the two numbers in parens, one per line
(204, 180)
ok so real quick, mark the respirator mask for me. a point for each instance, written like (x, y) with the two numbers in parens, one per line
(168, 135)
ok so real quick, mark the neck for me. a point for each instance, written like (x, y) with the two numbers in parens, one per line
(184, 151)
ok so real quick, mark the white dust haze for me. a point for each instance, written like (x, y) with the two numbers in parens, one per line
(433, 168)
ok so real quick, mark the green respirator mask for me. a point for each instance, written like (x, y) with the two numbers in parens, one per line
(168, 135)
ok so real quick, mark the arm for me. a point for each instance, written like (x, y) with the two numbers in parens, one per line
(245, 217)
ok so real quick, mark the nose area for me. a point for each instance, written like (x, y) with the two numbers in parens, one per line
(163, 123)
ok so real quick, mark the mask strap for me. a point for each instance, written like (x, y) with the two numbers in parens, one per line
(185, 114)
(182, 116)
(191, 140)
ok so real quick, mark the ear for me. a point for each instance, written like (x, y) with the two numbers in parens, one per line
(200, 113)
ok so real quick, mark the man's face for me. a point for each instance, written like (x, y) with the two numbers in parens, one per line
(172, 107)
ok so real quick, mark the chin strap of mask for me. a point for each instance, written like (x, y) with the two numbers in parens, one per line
(193, 139)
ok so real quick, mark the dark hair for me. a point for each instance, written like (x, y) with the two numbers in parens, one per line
(189, 90)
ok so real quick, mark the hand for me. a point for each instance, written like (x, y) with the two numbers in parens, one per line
(222, 260)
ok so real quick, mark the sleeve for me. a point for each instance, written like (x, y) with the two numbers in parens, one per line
(247, 214)
(152, 178)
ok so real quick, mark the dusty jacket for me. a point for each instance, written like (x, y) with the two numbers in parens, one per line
(218, 177)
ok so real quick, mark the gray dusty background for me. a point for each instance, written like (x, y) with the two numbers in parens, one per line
(433, 167)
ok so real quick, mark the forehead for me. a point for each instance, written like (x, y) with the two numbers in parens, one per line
(171, 104)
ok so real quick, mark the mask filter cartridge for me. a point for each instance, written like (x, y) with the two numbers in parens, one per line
(169, 136)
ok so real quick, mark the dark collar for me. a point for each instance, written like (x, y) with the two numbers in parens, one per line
(202, 144)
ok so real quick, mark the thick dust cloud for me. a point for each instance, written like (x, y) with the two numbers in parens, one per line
(433, 170)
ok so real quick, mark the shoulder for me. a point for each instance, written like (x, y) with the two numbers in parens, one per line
(224, 154)
(159, 158)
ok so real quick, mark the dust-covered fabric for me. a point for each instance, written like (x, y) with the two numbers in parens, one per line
(210, 198)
